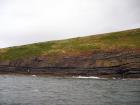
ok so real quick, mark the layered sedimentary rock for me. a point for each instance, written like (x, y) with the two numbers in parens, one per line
(113, 63)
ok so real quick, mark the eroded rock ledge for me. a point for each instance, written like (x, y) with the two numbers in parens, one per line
(106, 64)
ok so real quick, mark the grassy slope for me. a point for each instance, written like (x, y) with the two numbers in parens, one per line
(129, 39)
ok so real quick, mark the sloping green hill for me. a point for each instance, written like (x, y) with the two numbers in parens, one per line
(129, 39)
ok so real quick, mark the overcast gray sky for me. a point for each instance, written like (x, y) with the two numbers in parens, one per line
(29, 21)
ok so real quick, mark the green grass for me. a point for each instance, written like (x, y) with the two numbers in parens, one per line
(129, 39)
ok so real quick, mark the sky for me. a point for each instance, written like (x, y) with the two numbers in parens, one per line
(30, 21)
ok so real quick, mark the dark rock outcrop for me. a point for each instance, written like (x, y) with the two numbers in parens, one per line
(107, 64)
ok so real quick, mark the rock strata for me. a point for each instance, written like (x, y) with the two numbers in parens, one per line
(105, 64)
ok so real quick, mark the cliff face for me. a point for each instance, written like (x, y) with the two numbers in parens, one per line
(87, 64)
(90, 60)
(115, 61)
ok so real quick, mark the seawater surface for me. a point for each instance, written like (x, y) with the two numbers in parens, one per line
(43, 90)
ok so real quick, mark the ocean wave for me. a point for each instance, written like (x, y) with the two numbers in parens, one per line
(92, 77)
(113, 78)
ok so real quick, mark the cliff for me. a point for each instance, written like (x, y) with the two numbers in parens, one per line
(111, 54)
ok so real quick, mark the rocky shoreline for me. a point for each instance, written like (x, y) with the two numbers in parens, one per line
(110, 64)
(101, 72)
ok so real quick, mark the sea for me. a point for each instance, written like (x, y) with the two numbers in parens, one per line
(45, 90)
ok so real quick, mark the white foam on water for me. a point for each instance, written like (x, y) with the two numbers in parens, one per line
(125, 78)
(92, 77)
(113, 78)
(34, 75)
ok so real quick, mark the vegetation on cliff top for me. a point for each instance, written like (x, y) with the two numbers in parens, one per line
(129, 39)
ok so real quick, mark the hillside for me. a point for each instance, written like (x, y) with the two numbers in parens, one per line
(104, 50)
(110, 41)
